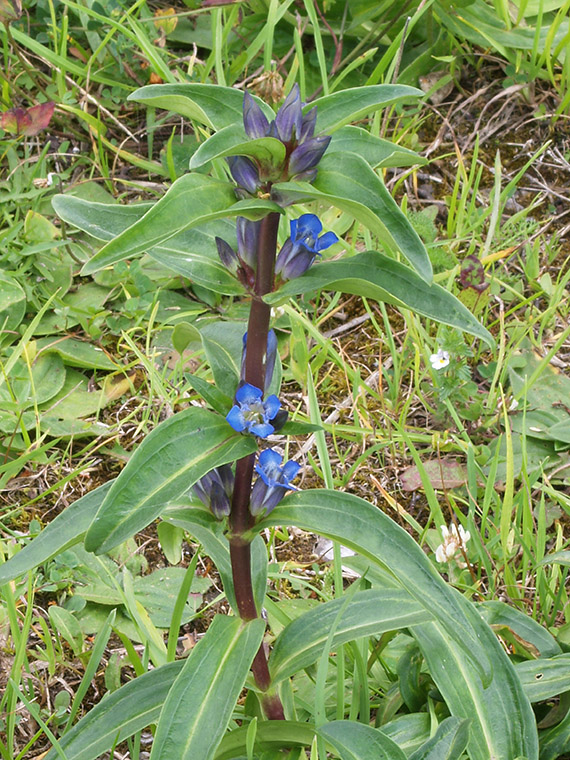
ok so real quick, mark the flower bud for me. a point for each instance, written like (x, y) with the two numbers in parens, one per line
(308, 155)
(244, 172)
(254, 120)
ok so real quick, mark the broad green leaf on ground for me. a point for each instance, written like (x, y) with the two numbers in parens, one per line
(233, 141)
(12, 302)
(370, 612)
(374, 150)
(122, 713)
(191, 253)
(355, 741)
(527, 632)
(203, 526)
(345, 106)
(448, 742)
(65, 530)
(545, 678)
(192, 200)
(347, 182)
(76, 353)
(503, 724)
(169, 460)
(48, 376)
(374, 275)
(215, 106)
(200, 703)
(464, 657)
(556, 558)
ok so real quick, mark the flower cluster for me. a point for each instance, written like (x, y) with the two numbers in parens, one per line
(454, 540)
(295, 130)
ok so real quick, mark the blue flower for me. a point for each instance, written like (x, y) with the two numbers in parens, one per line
(273, 483)
(251, 414)
(300, 250)
(244, 262)
(215, 490)
(270, 357)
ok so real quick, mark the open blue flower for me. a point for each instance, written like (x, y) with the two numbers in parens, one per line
(300, 250)
(251, 414)
(273, 483)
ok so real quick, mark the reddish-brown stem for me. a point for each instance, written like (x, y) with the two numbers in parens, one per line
(241, 520)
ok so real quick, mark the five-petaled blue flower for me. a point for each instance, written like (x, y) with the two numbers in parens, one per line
(300, 250)
(273, 482)
(251, 414)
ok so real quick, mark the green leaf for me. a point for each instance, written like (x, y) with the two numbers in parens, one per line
(370, 612)
(200, 703)
(333, 111)
(48, 374)
(556, 741)
(122, 713)
(233, 141)
(219, 401)
(374, 275)
(213, 105)
(169, 460)
(12, 300)
(76, 353)
(374, 150)
(223, 344)
(64, 531)
(544, 678)
(67, 626)
(448, 742)
(346, 181)
(355, 741)
(523, 626)
(270, 735)
(556, 558)
(192, 252)
(203, 526)
(464, 657)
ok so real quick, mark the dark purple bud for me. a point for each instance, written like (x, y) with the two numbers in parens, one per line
(308, 125)
(244, 172)
(254, 120)
(308, 155)
(295, 261)
(247, 237)
(215, 490)
(227, 255)
(270, 358)
(289, 117)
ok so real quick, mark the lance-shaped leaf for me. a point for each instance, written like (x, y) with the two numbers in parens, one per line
(448, 742)
(210, 104)
(200, 703)
(544, 678)
(192, 200)
(122, 713)
(355, 741)
(465, 659)
(65, 530)
(374, 150)
(374, 275)
(500, 615)
(333, 111)
(233, 141)
(368, 613)
(192, 252)
(346, 181)
(169, 460)
(203, 526)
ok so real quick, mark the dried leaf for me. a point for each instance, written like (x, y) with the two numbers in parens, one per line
(441, 473)
(166, 20)
(27, 121)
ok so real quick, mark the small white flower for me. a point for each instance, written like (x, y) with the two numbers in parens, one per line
(453, 541)
(439, 360)
(513, 405)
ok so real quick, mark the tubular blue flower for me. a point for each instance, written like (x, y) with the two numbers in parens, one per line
(251, 414)
(273, 483)
(270, 356)
(215, 490)
(300, 250)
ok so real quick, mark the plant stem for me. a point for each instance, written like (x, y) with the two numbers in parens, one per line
(241, 520)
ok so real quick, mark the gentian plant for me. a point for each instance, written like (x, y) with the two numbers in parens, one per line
(211, 470)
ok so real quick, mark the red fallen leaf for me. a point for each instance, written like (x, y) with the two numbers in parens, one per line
(10, 10)
(442, 473)
(27, 121)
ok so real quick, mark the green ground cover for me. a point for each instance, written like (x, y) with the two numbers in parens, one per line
(463, 444)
